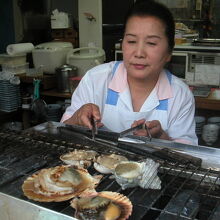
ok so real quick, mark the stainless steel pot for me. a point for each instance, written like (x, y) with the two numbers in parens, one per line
(63, 74)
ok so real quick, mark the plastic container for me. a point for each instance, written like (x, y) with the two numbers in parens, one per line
(51, 55)
(85, 58)
(60, 20)
(15, 69)
(33, 72)
(13, 59)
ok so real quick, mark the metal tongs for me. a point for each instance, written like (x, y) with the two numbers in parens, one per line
(141, 126)
(94, 128)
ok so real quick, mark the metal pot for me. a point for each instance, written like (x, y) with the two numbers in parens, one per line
(63, 74)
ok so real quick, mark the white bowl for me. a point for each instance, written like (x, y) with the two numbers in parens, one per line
(210, 133)
(214, 120)
(199, 119)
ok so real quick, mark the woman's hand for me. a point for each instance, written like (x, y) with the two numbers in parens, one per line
(83, 116)
(154, 127)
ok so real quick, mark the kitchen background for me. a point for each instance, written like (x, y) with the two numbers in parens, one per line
(99, 23)
(29, 21)
(36, 87)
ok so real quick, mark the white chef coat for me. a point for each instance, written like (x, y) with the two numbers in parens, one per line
(171, 102)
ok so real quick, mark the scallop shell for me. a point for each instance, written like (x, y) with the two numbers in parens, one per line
(59, 183)
(81, 158)
(130, 174)
(93, 202)
(149, 177)
(116, 206)
(107, 163)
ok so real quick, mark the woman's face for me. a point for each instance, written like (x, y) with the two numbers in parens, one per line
(145, 47)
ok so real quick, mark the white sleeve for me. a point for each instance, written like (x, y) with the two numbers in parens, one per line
(181, 127)
(91, 89)
(82, 95)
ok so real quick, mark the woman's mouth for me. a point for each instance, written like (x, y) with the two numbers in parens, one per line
(139, 66)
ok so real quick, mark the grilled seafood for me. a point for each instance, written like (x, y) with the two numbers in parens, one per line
(59, 183)
(130, 174)
(106, 163)
(82, 158)
(105, 205)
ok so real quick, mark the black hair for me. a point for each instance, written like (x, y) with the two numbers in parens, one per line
(151, 8)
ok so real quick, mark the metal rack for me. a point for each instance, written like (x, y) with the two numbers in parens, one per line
(188, 192)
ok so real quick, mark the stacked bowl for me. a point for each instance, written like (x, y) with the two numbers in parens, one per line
(54, 112)
(10, 97)
(214, 120)
(200, 122)
(210, 133)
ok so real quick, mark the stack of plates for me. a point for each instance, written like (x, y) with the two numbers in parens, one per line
(200, 122)
(10, 97)
(214, 120)
(53, 112)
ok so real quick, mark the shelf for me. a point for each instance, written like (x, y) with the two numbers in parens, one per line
(207, 103)
(201, 103)
(189, 19)
(55, 93)
(48, 81)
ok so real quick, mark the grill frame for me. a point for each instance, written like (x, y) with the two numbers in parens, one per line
(34, 149)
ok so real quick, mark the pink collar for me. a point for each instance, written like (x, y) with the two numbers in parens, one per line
(163, 87)
(119, 83)
(119, 80)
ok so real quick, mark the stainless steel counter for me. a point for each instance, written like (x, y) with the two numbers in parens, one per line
(12, 208)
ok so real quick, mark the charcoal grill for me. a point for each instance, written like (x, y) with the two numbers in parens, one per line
(188, 191)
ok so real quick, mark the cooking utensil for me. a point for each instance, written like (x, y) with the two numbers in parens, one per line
(141, 126)
(160, 151)
(128, 131)
(39, 106)
(94, 128)
(148, 131)
(133, 143)
(63, 75)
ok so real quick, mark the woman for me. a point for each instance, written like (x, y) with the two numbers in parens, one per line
(138, 90)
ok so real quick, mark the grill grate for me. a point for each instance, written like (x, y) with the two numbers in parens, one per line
(187, 192)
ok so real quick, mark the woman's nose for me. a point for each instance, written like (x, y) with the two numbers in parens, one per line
(140, 51)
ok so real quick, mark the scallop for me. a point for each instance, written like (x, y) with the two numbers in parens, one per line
(106, 163)
(80, 158)
(144, 174)
(59, 183)
(104, 205)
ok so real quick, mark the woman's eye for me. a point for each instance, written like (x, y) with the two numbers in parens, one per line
(131, 42)
(151, 43)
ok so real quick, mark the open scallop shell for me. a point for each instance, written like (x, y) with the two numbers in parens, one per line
(82, 158)
(59, 183)
(106, 163)
(104, 205)
(130, 174)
